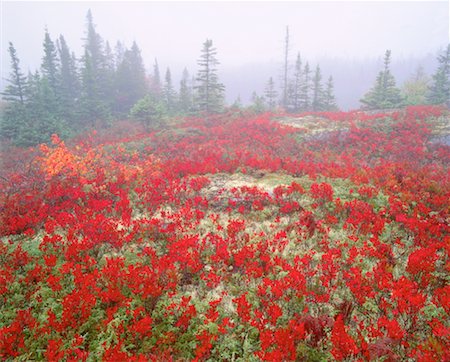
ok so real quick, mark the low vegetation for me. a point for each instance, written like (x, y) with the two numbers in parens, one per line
(232, 238)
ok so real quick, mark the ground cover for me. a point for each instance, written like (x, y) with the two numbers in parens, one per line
(310, 237)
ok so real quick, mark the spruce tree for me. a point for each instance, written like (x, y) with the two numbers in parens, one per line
(15, 112)
(156, 88)
(329, 100)
(50, 62)
(131, 83)
(210, 97)
(439, 92)
(305, 102)
(295, 94)
(50, 80)
(95, 102)
(119, 51)
(42, 119)
(271, 94)
(185, 94)
(317, 91)
(258, 103)
(69, 86)
(15, 90)
(169, 92)
(384, 94)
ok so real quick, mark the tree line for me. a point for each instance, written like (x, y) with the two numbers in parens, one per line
(69, 94)
(301, 90)
(420, 89)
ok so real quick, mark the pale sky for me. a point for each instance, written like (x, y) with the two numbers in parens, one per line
(243, 32)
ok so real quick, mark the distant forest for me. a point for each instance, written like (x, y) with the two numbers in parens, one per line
(71, 93)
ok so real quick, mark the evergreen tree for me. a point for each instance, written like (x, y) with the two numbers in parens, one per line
(385, 94)
(156, 88)
(149, 111)
(294, 99)
(15, 91)
(119, 52)
(317, 91)
(131, 83)
(329, 100)
(439, 92)
(185, 96)
(49, 67)
(169, 92)
(42, 119)
(305, 102)
(271, 94)
(416, 87)
(237, 104)
(15, 112)
(69, 87)
(95, 102)
(210, 96)
(50, 80)
(92, 106)
(258, 103)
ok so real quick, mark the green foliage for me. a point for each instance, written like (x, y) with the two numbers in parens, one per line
(329, 100)
(305, 101)
(185, 100)
(318, 96)
(295, 87)
(210, 92)
(415, 89)
(169, 93)
(150, 112)
(130, 80)
(271, 94)
(258, 103)
(69, 87)
(439, 92)
(15, 91)
(384, 94)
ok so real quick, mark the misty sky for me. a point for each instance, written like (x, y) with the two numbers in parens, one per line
(243, 32)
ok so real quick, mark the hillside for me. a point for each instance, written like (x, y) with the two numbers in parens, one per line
(238, 238)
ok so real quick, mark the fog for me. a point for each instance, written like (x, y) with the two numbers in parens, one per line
(348, 39)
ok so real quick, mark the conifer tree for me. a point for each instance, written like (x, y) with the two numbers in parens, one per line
(131, 83)
(169, 92)
(156, 88)
(69, 86)
(15, 112)
(42, 119)
(94, 97)
(317, 91)
(185, 94)
(329, 100)
(119, 51)
(49, 67)
(271, 94)
(384, 94)
(50, 80)
(258, 103)
(15, 91)
(439, 91)
(294, 102)
(209, 90)
(305, 102)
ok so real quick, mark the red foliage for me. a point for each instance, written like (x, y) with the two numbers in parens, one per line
(134, 248)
